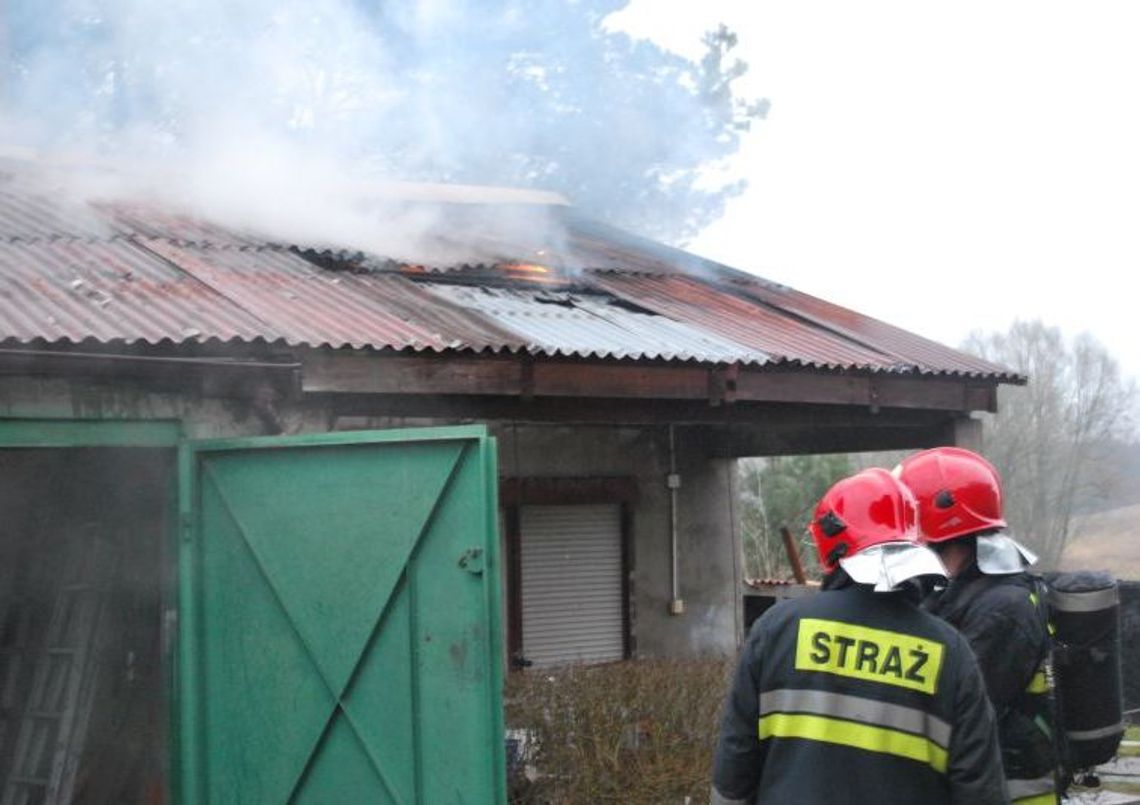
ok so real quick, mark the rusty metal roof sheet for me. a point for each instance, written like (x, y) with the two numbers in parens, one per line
(905, 348)
(110, 291)
(125, 273)
(755, 326)
(591, 324)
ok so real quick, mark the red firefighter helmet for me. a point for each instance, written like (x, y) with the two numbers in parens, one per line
(958, 492)
(869, 508)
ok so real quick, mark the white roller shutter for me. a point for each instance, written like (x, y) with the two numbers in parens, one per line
(571, 583)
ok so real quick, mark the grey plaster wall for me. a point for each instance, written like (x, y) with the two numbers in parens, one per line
(707, 564)
(202, 417)
(708, 577)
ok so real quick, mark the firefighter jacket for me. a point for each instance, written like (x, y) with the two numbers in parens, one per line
(1003, 618)
(853, 696)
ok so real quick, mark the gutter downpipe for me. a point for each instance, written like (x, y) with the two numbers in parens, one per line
(673, 482)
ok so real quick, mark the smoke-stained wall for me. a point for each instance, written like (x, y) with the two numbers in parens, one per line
(202, 416)
(708, 574)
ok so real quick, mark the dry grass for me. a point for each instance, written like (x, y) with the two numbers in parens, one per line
(631, 732)
(1106, 540)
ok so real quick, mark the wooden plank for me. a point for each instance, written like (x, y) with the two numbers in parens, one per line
(982, 397)
(355, 373)
(772, 416)
(808, 387)
(815, 440)
(919, 392)
(886, 391)
(396, 374)
(620, 380)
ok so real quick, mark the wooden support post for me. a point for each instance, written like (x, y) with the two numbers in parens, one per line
(793, 555)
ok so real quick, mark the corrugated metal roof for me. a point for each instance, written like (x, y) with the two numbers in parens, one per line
(553, 322)
(905, 347)
(754, 326)
(124, 273)
(110, 291)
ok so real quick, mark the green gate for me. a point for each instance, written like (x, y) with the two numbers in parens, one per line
(340, 638)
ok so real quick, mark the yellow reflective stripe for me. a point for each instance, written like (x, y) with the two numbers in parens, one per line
(1033, 598)
(858, 736)
(1036, 799)
(1039, 683)
(856, 708)
(874, 655)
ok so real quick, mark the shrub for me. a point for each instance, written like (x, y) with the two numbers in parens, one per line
(629, 732)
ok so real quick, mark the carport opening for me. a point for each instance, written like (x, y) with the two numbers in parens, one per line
(85, 579)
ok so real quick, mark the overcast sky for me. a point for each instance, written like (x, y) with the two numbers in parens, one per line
(942, 166)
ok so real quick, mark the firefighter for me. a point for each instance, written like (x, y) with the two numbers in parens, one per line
(856, 695)
(994, 601)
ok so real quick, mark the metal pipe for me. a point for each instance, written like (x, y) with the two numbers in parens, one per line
(673, 481)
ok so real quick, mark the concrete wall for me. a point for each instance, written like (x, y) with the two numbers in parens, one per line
(708, 567)
(202, 417)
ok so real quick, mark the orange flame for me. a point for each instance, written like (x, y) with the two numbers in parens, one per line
(530, 272)
(526, 268)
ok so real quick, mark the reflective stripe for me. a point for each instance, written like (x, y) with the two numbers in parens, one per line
(1038, 791)
(858, 736)
(1091, 601)
(856, 708)
(1092, 735)
(717, 798)
(1036, 799)
(1039, 683)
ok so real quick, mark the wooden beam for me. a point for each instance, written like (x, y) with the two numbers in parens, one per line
(773, 416)
(358, 373)
(682, 382)
(565, 491)
(209, 375)
(364, 373)
(759, 441)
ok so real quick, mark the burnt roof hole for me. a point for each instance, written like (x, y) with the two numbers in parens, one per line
(632, 307)
(345, 261)
(561, 301)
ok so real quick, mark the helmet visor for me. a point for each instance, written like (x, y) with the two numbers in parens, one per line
(889, 564)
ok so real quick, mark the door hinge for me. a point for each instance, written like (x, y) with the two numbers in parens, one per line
(472, 561)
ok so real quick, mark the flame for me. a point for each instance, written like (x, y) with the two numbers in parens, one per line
(531, 272)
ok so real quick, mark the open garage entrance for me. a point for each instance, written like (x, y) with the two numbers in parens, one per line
(84, 585)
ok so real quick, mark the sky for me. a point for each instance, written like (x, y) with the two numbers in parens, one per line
(942, 166)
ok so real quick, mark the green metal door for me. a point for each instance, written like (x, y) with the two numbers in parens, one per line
(339, 632)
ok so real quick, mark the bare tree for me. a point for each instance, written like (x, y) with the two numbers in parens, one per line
(780, 492)
(1050, 440)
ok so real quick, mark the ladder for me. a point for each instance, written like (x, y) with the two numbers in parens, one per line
(58, 705)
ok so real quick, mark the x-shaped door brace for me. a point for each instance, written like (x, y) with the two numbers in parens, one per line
(338, 697)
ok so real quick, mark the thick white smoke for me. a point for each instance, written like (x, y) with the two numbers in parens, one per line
(290, 119)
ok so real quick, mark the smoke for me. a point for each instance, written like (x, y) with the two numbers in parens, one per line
(290, 119)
